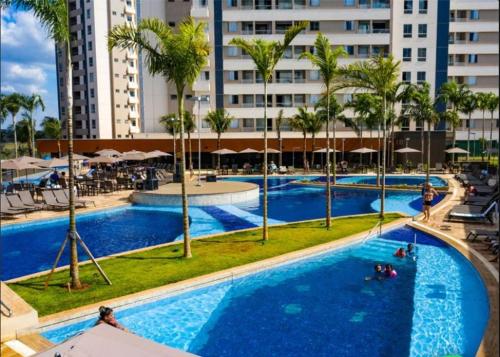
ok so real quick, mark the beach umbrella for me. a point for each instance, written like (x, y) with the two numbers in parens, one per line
(248, 151)
(324, 150)
(16, 165)
(157, 153)
(223, 152)
(108, 152)
(104, 160)
(456, 150)
(270, 151)
(75, 157)
(363, 151)
(54, 163)
(133, 152)
(135, 156)
(406, 150)
(28, 160)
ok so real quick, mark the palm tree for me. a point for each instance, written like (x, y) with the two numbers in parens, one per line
(179, 57)
(469, 105)
(52, 129)
(25, 130)
(300, 121)
(219, 121)
(453, 95)
(482, 104)
(325, 59)
(12, 104)
(189, 127)
(492, 106)
(314, 127)
(377, 75)
(280, 121)
(53, 14)
(400, 93)
(3, 110)
(32, 103)
(265, 55)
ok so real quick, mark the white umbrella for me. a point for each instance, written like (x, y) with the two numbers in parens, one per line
(133, 152)
(108, 152)
(157, 153)
(363, 151)
(139, 156)
(456, 150)
(224, 152)
(406, 150)
(75, 157)
(28, 160)
(54, 163)
(270, 151)
(17, 165)
(248, 151)
(324, 150)
(104, 160)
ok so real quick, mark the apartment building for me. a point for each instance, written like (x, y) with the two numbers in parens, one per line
(435, 41)
(106, 91)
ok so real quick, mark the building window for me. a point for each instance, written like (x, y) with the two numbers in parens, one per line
(232, 51)
(234, 124)
(348, 25)
(406, 54)
(314, 26)
(474, 15)
(349, 2)
(92, 108)
(408, 6)
(233, 75)
(472, 58)
(422, 30)
(347, 98)
(313, 99)
(232, 3)
(92, 93)
(205, 75)
(129, 18)
(248, 100)
(472, 80)
(93, 125)
(173, 97)
(314, 3)
(349, 50)
(233, 99)
(422, 54)
(91, 77)
(88, 13)
(114, 13)
(406, 77)
(89, 30)
(232, 27)
(314, 75)
(473, 37)
(90, 46)
(422, 6)
(420, 77)
(131, 93)
(171, 24)
(407, 30)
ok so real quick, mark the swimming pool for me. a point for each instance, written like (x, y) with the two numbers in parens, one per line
(390, 180)
(134, 226)
(322, 306)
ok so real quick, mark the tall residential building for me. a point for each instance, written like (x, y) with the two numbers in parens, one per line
(435, 41)
(105, 84)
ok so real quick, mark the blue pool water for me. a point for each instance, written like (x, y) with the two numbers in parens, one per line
(390, 180)
(134, 227)
(322, 306)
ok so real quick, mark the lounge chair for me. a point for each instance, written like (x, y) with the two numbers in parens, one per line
(77, 201)
(282, 170)
(27, 199)
(51, 201)
(290, 170)
(479, 200)
(62, 198)
(476, 233)
(8, 210)
(16, 202)
(486, 190)
(468, 212)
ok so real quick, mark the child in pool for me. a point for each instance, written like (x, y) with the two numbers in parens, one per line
(390, 272)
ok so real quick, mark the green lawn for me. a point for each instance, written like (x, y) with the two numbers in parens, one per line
(140, 271)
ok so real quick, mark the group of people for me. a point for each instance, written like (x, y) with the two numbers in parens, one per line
(56, 180)
(388, 271)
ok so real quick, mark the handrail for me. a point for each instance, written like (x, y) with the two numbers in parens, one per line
(9, 310)
(379, 225)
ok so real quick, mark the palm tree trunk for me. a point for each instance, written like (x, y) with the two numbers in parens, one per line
(304, 155)
(74, 269)
(33, 133)
(428, 168)
(185, 213)
(334, 160)
(265, 231)
(312, 149)
(454, 143)
(378, 156)
(15, 133)
(382, 195)
(280, 146)
(328, 167)
(361, 143)
(218, 148)
(392, 144)
(190, 153)
(422, 144)
(468, 136)
(483, 143)
(59, 147)
(490, 146)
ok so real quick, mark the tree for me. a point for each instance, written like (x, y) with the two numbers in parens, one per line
(469, 105)
(377, 75)
(492, 106)
(12, 104)
(23, 131)
(300, 121)
(325, 59)
(453, 95)
(314, 127)
(31, 103)
(179, 57)
(219, 121)
(482, 104)
(3, 110)
(53, 15)
(280, 121)
(52, 129)
(265, 55)
(189, 127)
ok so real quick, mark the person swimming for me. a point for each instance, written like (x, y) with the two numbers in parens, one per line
(400, 253)
(390, 272)
(378, 273)
(106, 316)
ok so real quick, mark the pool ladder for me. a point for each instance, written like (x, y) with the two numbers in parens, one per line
(368, 235)
(7, 308)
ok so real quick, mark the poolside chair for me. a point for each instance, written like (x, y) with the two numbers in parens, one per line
(62, 198)
(16, 202)
(290, 170)
(468, 212)
(8, 209)
(476, 233)
(77, 201)
(480, 200)
(282, 170)
(51, 201)
(9, 212)
(28, 200)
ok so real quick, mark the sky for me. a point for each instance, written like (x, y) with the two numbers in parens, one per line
(27, 60)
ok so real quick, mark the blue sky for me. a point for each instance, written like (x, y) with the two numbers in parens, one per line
(28, 60)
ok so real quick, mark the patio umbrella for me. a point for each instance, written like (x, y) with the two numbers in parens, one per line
(75, 157)
(104, 160)
(363, 150)
(28, 160)
(157, 153)
(406, 150)
(108, 152)
(54, 163)
(324, 150)
(18, 165)
(223, 152)
(270, 151)
(105, 340)
(456, 150)
(137, 156)
(133, 152)
(248, 151)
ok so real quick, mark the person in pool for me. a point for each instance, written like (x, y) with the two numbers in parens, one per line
(106, 316)
(409, 250)
(400, 253)
(378, 274)
(390, 272)
(428, 194)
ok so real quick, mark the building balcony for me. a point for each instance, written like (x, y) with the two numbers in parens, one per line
(131, 70)
(133, 115)
(199, 11)
(129, 10)
(132, 85)
(133, 100)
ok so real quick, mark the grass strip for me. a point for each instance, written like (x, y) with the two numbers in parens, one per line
(160, 266)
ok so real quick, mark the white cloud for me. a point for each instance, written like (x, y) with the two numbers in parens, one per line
(30, 73)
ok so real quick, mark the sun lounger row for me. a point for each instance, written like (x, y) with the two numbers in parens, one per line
(475, 210)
